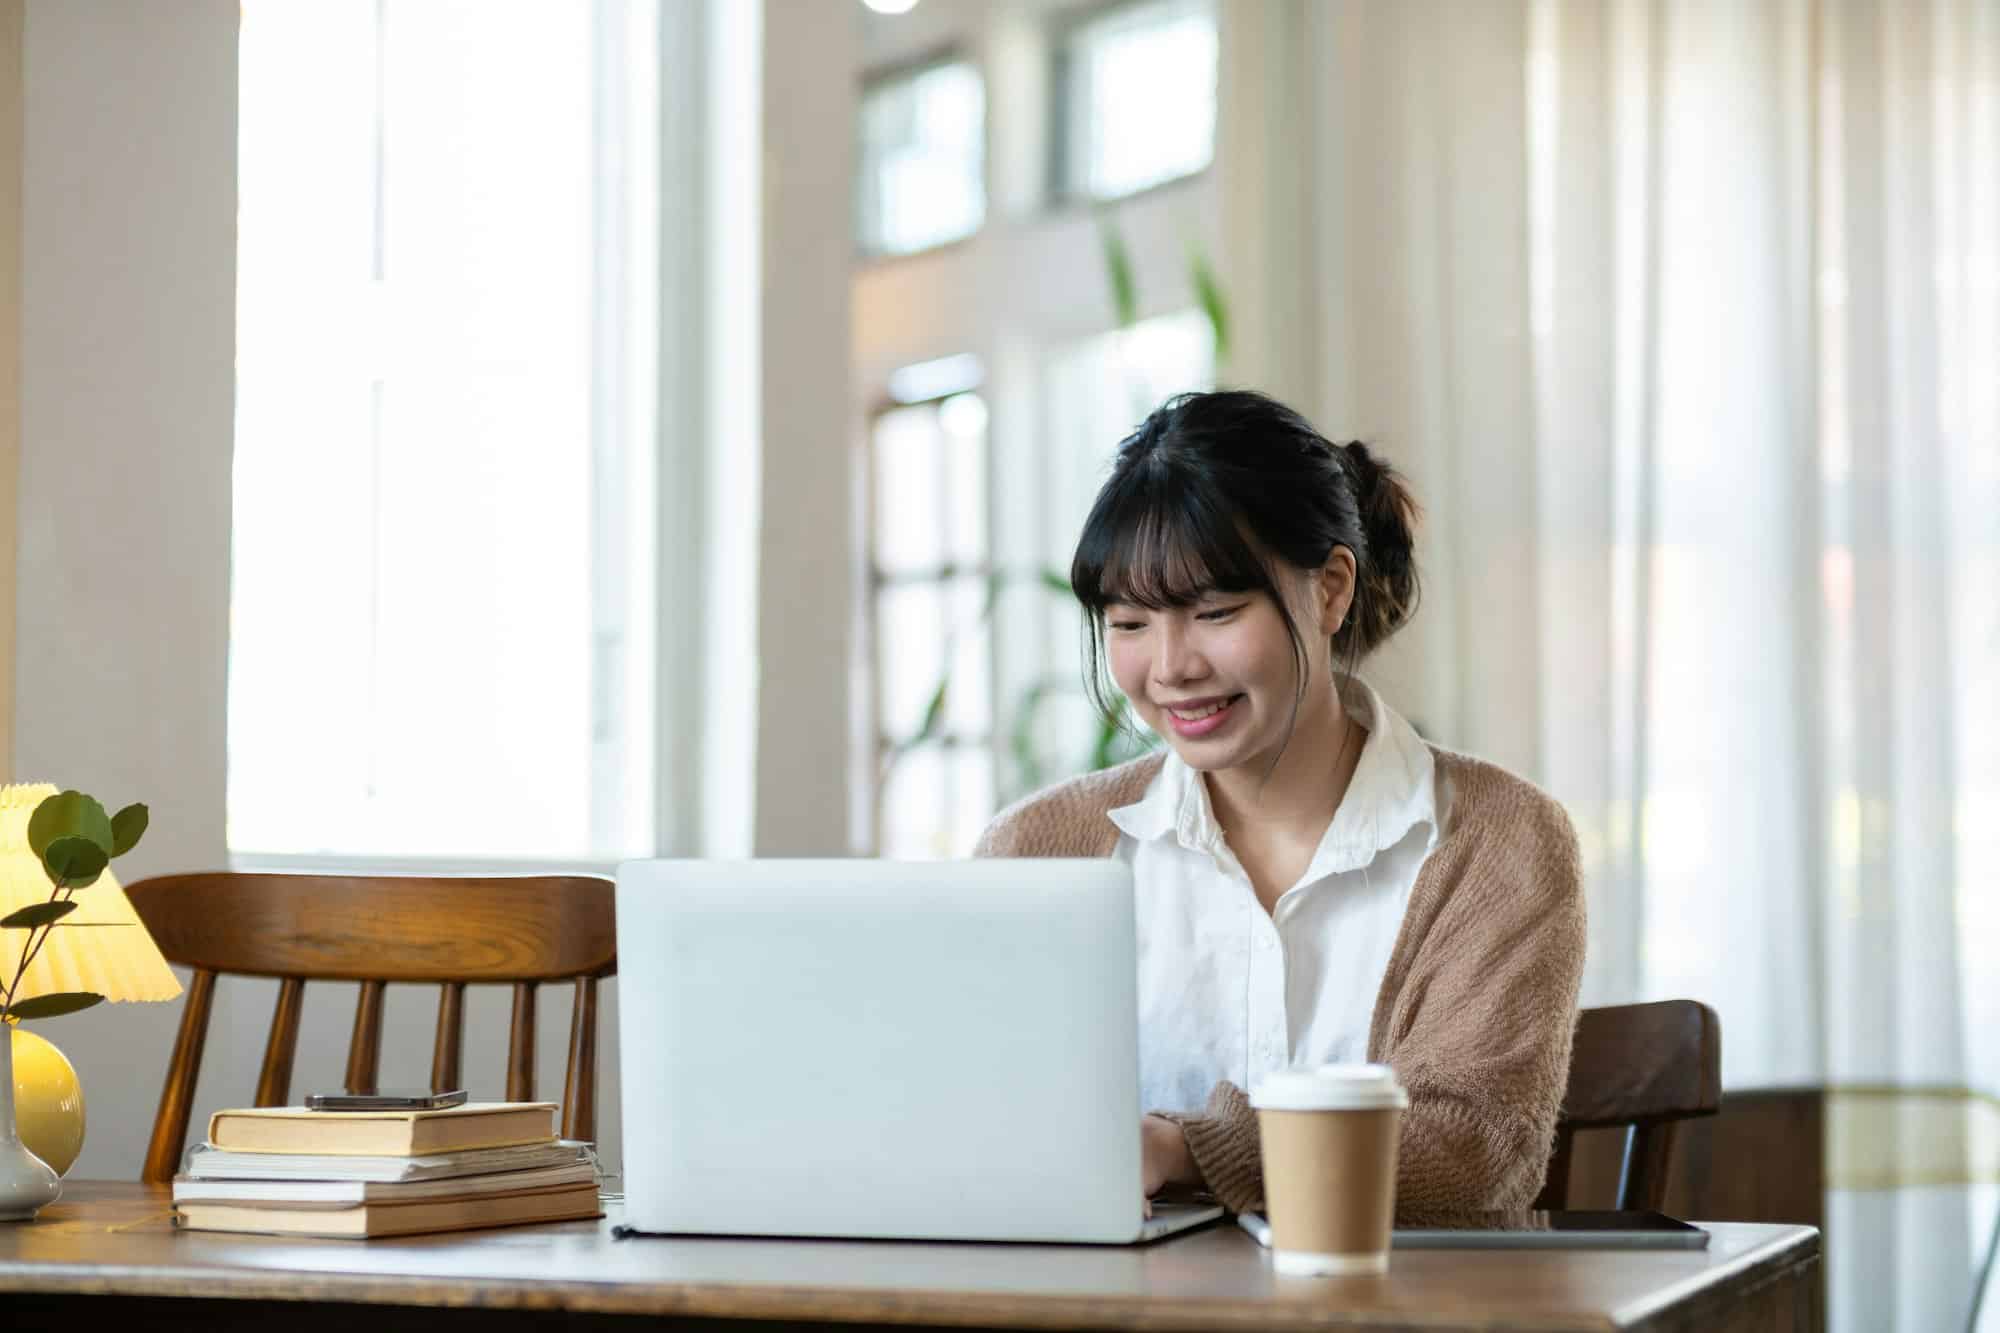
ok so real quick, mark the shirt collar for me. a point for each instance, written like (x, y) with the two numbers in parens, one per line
(1392, 791)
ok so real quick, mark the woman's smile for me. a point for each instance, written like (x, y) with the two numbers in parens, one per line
(1201, 717)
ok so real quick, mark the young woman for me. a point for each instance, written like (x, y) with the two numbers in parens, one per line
(1315, 883)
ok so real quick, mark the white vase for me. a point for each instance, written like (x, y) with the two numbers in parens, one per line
(27, 1183)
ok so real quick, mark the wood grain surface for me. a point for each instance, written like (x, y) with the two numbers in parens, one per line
(383, 928)
(114, 1240)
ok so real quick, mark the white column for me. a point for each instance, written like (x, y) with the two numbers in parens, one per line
(806, 554)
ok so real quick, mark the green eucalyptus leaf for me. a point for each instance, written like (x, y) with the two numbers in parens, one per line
(1208, 291)
(54, 1006)
(934, 712)
(36, 914)
(75, 862)
(1118, 272)
(127, 827)
(69, 814)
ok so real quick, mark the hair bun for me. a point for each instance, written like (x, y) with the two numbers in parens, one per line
(1389, 515)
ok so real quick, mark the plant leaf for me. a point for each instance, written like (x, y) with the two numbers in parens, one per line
(54, 1006)
(1056, 581)
(75, 862)
(1208, 291)
(1118, 272)
(934, 713)
(68, 814)
(127, 827)
(36, 914)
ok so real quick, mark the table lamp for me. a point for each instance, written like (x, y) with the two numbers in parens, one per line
(102, 946)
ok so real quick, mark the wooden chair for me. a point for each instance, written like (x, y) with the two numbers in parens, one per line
(518, 931)
(1642, 1067)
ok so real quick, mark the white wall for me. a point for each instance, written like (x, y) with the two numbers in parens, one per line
(12, 13)
(128, 187)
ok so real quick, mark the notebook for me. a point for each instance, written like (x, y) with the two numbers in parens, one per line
(358, 1221)
(305, 1194)
(209, 1163)
(293, 1129)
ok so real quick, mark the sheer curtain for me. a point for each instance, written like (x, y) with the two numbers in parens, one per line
(1685, 318)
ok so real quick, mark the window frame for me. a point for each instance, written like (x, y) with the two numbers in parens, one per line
(1062, 191)
(873, 79)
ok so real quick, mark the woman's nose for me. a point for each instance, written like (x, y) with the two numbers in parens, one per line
(1176, 657)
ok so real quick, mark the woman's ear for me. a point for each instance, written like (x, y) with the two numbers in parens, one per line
(1335, 588)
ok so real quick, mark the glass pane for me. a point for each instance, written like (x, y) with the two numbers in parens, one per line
(916, 626)
(930, 485)
(418, 652)
(922, 160)
(1140, 90)
(962, 430)
(935, 802)
(908, 454)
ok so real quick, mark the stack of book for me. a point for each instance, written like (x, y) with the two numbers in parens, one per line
(290, 1171)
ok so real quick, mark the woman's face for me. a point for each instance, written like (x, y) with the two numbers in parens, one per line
(1219, 679)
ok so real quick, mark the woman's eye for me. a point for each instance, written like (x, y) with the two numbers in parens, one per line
(1219, 613)
(1127, 626)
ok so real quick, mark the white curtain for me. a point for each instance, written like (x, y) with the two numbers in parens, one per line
(1685, 319)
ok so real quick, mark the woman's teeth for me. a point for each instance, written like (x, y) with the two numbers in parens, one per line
(1200, 713)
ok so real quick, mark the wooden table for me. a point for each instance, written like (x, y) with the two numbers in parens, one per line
(107, 1249)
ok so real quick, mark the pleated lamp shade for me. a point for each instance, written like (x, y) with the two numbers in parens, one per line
(102, 946)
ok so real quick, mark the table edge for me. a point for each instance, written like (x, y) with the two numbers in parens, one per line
(834, 1305)
(1794, 1245)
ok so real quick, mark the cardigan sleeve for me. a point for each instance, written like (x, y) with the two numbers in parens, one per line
(1479, 1033)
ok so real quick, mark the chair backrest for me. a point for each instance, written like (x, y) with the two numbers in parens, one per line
(449, 932)
(1643, 1067)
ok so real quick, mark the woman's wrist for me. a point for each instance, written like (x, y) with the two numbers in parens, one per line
(1172, 1140)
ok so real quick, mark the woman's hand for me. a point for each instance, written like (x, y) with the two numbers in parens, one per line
(1164, 1156)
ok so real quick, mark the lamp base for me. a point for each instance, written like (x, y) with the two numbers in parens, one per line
(27, 1183)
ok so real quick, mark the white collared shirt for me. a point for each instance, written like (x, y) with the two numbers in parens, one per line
(1227, 991)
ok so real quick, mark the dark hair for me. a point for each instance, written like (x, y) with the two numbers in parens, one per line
(1210, 490)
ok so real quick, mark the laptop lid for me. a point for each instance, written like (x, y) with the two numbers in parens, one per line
(863, 1048)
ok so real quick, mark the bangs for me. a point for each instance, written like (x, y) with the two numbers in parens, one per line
(1152, 540)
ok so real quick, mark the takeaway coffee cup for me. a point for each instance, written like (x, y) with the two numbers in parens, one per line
(1329, 1137)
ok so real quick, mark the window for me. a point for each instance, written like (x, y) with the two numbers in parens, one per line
(922, 159)
(440, 625)
(932, 647)
(1096, 390)
(1136, 96)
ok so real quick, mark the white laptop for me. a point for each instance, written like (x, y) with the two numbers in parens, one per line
(939, 1051)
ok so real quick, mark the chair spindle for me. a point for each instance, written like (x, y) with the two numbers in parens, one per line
(274, 1082)
(447, 1062)
(580, 1086)
(521, 1045)
(364, 1051)
(177, 1097)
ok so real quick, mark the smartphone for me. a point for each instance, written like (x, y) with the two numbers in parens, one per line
(389, 1099)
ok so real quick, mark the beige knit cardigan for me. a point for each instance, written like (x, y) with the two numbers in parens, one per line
(1477, 1007)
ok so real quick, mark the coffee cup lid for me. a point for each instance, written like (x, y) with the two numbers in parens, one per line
(1330, 1088)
